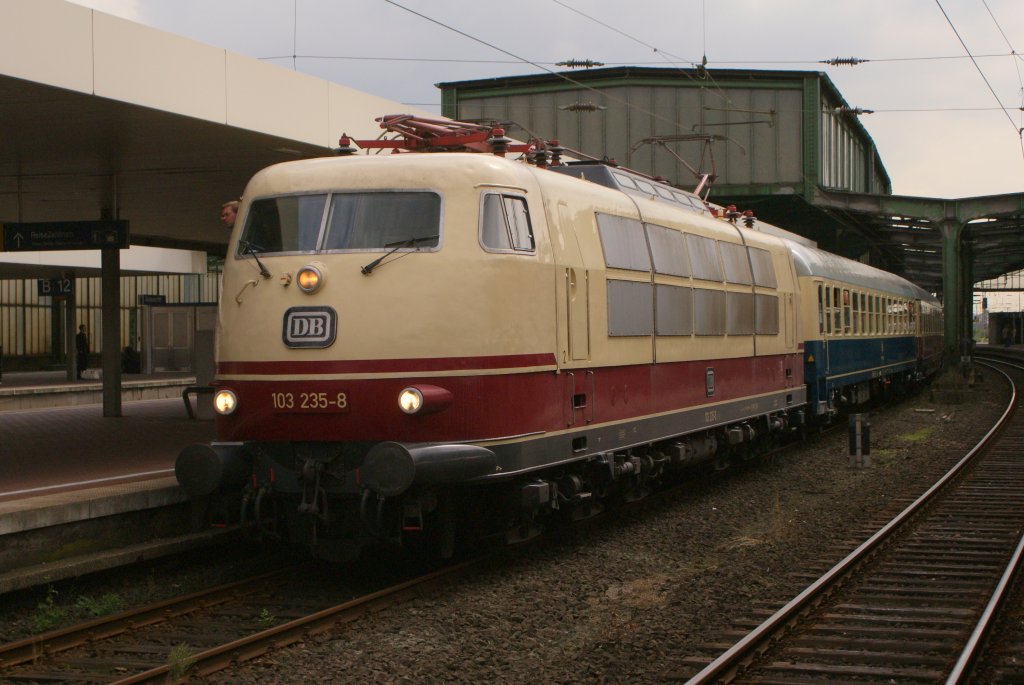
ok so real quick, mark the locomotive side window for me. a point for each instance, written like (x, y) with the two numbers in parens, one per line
(739, 313)
(625, 181)
(767, 314)
(709, 312)
(704, 258)
(645, 187)
(283, 224)
(629, 308)
(674, 315)
(736, 262)
(669, 250)
(505, 224)
(763, 268)
(623, 242)
(377, 221)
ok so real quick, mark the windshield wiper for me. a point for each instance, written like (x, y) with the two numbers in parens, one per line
(395, 246)
(250, 248)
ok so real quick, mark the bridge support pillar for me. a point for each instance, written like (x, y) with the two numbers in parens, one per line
(952, 286)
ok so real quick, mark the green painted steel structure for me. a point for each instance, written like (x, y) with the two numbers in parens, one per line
(785, 144)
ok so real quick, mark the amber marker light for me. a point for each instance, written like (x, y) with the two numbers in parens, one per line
(309, 278)
(225, 402)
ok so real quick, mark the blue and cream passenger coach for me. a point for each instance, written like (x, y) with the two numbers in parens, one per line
(864, 329)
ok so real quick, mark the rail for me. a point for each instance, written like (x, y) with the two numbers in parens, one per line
(743, 653)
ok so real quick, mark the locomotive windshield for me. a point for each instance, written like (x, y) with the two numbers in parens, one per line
(362, 221)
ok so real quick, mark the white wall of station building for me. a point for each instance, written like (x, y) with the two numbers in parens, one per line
(62, 45)
(69, 46)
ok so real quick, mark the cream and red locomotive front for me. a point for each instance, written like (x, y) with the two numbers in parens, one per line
(432, 346)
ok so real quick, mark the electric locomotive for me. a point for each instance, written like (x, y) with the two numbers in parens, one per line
(430, 347)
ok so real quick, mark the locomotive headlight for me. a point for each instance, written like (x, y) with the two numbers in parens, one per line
(423, 399)
(410, 400)
(225, 402)
(310, 278)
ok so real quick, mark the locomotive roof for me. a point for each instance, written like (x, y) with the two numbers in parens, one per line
(811, 261)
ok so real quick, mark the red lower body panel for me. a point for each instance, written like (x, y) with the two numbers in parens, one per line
(496, 403)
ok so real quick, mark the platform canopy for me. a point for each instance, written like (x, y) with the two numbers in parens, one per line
(908, 231)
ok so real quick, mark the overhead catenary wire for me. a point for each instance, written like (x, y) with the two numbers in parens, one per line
(634, 63)
(661, 53)
(1016, 65)
(984, 78)
(568, 79)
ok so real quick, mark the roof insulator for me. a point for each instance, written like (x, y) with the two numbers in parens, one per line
(556, 151)
(498, 141)
(345, 146)
(853, 111)
(581, 107)
(579, 63)
(843, 61)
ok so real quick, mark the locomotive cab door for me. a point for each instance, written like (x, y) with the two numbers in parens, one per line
(572, 286)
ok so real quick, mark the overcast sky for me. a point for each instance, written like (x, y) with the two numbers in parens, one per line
(938, 126)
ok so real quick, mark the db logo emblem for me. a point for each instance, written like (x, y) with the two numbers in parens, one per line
(309, 327)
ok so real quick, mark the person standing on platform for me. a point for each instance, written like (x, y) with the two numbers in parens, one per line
(82, 350)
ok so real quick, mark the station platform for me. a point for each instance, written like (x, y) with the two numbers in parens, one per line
(73, 482)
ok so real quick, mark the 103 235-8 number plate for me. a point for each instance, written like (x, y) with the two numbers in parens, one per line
(302, 402)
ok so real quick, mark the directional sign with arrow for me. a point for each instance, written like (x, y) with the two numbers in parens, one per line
(65, 235)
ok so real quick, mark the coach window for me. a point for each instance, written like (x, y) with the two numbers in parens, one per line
(863, 314)
(828, 310)
(846, 311)
(837, 313)
(505, 224)
(821, 309)
(871, 314)
(878, 316)
(856, 312)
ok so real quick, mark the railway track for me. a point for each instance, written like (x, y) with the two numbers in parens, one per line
(915, 602)
(200, 633)
(220, 627)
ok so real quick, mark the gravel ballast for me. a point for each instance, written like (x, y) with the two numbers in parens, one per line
(631, 599)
